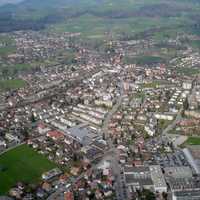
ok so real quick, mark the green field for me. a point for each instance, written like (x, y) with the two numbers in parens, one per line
(22, 164)
(12, 84)
(4, 51)
(94, 19)
(187, 71)
(9, 45)
(193, 141)
(145, 60)
(153, 84)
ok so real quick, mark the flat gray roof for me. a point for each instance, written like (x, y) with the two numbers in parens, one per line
(82, 133)
(130, 179)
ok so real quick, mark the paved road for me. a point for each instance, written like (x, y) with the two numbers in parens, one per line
(173, 124)
(120, 188)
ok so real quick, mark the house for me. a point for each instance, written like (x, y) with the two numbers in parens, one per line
(187, 85)
(42, 129)
(68, 196)
(51, 174)
(55, 135)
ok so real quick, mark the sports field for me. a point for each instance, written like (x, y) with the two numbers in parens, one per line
(22, 164)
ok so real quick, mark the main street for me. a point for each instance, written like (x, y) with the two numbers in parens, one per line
(113, 157)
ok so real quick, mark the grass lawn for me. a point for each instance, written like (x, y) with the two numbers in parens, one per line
(7, 50)
(12, 84)
(154, 84)
(193, 141)
(187, 71)
(163, 124)
(144, 60)
(22, 164)
(150, 85)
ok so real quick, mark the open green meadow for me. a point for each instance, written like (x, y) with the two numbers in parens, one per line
(193, 141)
(7, 45)
(22, 164)
(186, 71)
(12, 84)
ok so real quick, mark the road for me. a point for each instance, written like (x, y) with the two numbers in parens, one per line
(173, 124)
(120, 188)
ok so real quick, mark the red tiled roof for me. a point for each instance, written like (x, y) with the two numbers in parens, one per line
(55, 134)
(68, 196)
(41, 125)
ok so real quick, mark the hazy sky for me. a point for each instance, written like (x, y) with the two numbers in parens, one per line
(9, 1)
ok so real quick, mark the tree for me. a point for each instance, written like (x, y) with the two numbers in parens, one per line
(75, 157)
(168, 95)
(165, 195)
(148, 195)
(25, 132)
(33, 120)
(186, 104)
(104, 136)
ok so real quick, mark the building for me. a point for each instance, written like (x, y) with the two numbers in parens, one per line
(158, 179)
(83, 134)
(68, 196)
(164, 116)
(185, 195)
(187, 85)
(137, 178)
(51, 174)
(55, 135)
(191, 160)
(178, 172)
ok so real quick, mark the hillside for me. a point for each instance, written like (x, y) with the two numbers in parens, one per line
(101, 16)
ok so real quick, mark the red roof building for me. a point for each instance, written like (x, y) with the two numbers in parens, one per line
(68, 196)
(55, 135)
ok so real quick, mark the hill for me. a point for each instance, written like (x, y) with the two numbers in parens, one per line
(101, 16)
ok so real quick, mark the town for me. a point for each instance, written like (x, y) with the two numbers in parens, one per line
(118, 122)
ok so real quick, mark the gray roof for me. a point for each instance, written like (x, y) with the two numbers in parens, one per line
(191, 160)
(188, 194)
(178, 172)
(5, 198)
(157, 176)
(82, 133)
(136, 169)
(131, 180)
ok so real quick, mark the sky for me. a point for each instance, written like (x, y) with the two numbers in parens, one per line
(9, 1)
